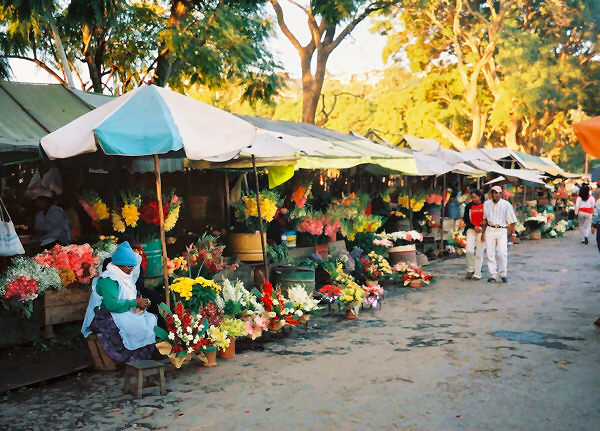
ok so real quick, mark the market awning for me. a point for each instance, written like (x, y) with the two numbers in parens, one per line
(29, 111)
(588, 134)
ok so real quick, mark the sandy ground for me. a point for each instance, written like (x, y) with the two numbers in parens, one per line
(459, 355)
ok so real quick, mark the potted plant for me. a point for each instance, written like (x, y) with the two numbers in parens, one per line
(186, 335)
(303, 303)
(534, 224)
(233, 328)
(373, 266)
(372, 294)
(411, 275)
(245, 239)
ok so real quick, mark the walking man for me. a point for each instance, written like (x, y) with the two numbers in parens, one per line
(499, 220)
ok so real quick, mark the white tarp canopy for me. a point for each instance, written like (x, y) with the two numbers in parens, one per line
(154, 120)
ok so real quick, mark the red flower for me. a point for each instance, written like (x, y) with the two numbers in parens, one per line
(149, 213)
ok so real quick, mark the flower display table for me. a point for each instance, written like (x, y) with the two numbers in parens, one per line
(68, 305)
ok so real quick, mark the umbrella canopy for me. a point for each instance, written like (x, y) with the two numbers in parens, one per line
(588, 134)
(152, 120)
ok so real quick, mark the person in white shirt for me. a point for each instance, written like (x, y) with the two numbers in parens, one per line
(584, 210)
(499, 219)
(51, 223)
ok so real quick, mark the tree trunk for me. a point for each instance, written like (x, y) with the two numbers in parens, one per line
(164, 63)
(312, 85)
(61, 54)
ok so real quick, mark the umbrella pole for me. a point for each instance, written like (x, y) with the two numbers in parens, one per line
(410, 212)
(260, 220)
(161, 218)
(442, 216)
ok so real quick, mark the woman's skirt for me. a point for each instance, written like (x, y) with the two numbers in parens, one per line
(108, 334)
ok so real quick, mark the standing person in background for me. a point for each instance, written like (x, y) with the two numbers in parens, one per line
(584, 210)
(499, 219)
(473, 218)
(596, 218)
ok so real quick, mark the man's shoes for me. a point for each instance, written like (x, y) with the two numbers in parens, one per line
(476, 278)
(597, 323)
(585, 241)
(491, 280)
(469, 275)
(504, 279)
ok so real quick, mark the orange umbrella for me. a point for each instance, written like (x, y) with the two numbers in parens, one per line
(588, 134)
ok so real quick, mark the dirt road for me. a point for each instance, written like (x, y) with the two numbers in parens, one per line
(459, 355)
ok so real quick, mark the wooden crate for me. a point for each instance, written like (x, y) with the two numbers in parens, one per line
(68, 305)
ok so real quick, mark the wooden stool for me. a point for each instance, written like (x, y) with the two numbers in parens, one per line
(102, 361)
(140, 370)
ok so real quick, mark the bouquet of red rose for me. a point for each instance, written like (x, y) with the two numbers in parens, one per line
(186, 334)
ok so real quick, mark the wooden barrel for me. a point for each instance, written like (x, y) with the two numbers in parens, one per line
(247, 246)
(403, 253)
(287, 276)
(395, 224)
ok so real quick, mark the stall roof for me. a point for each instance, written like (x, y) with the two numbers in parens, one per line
(30, 111)
(320, 148)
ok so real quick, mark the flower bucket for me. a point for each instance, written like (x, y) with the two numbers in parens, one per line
(351, 315)
(229, 352)
(287, 276)
(403, 253)
(211, 359)
(415, 284)
(322, 250)
(247, 246)
(153, 251)
(397, 224)
(372, 282)
(536, 234)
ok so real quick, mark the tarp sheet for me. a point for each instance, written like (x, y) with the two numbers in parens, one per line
(588, 134)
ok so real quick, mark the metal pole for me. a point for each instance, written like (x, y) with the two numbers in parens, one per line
(442, 215)
(260, 220)
(410, 212)
(161, 218)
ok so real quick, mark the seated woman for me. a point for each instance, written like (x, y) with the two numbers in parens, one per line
(115, 314)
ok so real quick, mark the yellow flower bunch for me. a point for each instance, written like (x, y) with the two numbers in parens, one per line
(415, 204)
(353, 294)
(176, 264)
(117, 222)
(218, 337)
(130, 214)
(183, 286)
(172, 218)
(67, 276)
(268, 208)
(100, 209)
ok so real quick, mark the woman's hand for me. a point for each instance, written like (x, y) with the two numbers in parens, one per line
(142, 303)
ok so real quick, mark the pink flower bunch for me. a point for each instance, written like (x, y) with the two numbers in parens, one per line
(332, 227)
(311, 225)
(372, 294)
(255, 323)
(78, 258)
(434, 199)
(383, 242)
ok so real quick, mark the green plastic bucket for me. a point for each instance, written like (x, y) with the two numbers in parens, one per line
(288, 276)
(153, 251)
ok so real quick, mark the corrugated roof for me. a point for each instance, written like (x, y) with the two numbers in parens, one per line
(30, 111)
